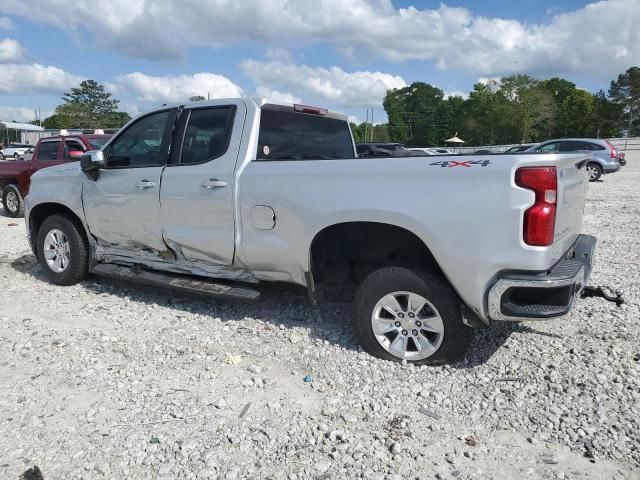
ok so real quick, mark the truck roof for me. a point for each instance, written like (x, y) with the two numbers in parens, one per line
(258, 101)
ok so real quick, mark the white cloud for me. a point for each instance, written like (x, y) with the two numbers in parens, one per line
(332, 85)
(19, 114)
(6, 23)
(277, 96)
(176, 88)
(11, 51)
(35, 78)
(456, 93)
(600, 37)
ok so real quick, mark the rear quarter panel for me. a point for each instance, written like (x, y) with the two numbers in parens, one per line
(470, 217)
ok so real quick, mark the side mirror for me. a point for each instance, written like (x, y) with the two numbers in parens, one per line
(91, 162)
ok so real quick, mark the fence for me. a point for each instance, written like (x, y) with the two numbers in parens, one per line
(621, 144)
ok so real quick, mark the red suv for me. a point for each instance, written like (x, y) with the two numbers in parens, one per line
(15, 176)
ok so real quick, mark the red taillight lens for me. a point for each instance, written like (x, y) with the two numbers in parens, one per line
(612, 150)
(540, 218)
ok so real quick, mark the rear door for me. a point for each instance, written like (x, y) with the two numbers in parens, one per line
(197, 186)
(122, 206)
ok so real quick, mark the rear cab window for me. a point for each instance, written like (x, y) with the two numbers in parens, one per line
(286, 134)
(48, 150)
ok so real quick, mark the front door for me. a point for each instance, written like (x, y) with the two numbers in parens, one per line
(122, 206)
(197, 186)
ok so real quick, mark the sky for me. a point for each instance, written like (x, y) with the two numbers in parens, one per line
(340, 54)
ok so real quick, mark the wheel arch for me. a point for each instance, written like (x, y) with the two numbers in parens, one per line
(39, 213)
(349, 250)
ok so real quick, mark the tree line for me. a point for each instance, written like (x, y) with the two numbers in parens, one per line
(514, 109)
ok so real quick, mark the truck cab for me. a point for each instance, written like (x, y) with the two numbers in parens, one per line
(15, 175)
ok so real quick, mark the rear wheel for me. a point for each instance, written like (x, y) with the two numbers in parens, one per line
(401, 315)
(16, 156)
(12, 201)
(2, 157)
(62, 250)
(594, 171)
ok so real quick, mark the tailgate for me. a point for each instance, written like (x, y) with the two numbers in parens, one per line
(572, 190)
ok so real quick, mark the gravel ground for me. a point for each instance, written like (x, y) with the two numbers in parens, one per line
(105, 380)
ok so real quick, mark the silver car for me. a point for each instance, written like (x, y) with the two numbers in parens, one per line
(605, 157)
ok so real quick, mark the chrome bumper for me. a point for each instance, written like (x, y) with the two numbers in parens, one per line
(543, 295)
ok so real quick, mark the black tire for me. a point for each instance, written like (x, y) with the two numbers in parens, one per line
(16, 156)
(2, 156)
(594, 171)
(78, 266)
(12, 201)
(456, 337)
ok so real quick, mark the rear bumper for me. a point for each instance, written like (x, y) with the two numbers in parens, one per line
(612, 168)
(519, 295)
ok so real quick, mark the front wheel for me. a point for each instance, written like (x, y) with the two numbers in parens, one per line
(594, 171)
(62, 250)
(16, 156)
(401, 315)
(2, 157)
(12, 201)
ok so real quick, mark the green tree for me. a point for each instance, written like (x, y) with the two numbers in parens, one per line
(577, 111)
(414, 114)
(530, 106)
(87, 106)
(607, 117)
(559, 89)
(485, 114)
(625, 92)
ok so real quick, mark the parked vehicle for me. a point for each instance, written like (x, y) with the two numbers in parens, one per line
(25, 157)
(439, 151)
(14, 150)
(605, 158)
(386, 150)
(216, 196)
(520, 148)
(15, 177)
(622, 158)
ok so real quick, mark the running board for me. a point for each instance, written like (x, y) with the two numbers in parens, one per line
(176, 282)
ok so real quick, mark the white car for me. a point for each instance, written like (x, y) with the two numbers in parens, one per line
(14, 150)
(25, 157)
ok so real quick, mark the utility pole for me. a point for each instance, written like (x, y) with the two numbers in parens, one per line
(372, 126)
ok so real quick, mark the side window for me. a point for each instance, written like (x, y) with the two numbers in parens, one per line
(48, 150)
(550, 147)
(141, 145)
(207, 134)
(595, 146)
(73, 150)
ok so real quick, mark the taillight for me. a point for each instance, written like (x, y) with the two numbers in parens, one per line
(308, 109)
(540, 218)
(612, 150)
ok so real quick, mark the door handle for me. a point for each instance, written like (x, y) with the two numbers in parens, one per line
(214, 183)
(144, 184)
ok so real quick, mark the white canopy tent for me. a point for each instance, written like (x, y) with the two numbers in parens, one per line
(455, 140)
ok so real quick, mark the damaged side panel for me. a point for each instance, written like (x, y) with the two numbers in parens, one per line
(157, 261)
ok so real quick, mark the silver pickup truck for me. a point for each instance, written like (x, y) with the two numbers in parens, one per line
(215, 197)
